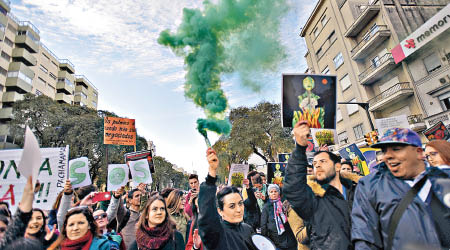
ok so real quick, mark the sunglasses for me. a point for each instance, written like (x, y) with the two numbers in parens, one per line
(100, 216)
(427, 156)
(2, 229)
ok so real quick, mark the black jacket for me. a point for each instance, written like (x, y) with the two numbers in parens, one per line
(269, 229)
(328, 216)
(16, 228)
(215, 233)
(252, 212)
(177, 244)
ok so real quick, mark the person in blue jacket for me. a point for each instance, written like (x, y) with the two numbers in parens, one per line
(425, 222)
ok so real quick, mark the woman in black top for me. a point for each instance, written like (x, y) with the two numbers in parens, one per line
(230, 232)
(37, 229)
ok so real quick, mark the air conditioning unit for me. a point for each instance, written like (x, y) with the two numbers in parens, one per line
(445, 79)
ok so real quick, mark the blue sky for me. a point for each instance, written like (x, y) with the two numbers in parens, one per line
(113, 43)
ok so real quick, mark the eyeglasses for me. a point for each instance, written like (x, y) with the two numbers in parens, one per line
(427, 156)
(100, 216)
(2, 229)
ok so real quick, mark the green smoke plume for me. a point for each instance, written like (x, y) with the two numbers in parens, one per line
(231, 36)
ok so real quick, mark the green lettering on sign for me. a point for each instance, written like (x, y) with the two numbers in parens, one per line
(116, 176)
(12, 164)
(137, 178)
(46, 166)
(79, 177)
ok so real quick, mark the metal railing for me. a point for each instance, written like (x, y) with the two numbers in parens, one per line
(49, 51)
(414, 119)
(363, 7)
(66, 61)
(375, 65)
(369, 35)
(13, 17)
(390, 92)
(29, 24)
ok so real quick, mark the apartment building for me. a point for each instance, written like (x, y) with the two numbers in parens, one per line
(352, 39)
(28, 66)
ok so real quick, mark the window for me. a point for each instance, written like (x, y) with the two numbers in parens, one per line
(319, 52)
(6, 56)
(326, 71)
(352, 108)
(338, 115)
(81, 94)
(445, 101)
(332, 37)
(52, 89)
(432, 62)
(82, 104)
(9, 42)
(94, 104)
(338, 60)
(3, 71)
(345, 82)
(38, 93)
(316, 32)
(95, 94)
(2, 27)
(52, 76)
(343, 138)
(41, 81)
(56, 65)
(66, 81)
(46, 57)
(359, 131)
(20, 75)
(44, 69)
(324, 20)
(376, 61)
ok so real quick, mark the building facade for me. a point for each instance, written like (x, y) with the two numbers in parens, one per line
(28, 66)
(353, 39)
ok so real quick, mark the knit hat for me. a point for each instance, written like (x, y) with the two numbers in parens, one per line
(271, 186)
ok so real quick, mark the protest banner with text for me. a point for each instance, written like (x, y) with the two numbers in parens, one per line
(119, 131)
(52, 175)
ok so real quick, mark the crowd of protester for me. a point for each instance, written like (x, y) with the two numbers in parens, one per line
(401, 204)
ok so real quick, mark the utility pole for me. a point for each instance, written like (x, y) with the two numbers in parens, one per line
(365, 106)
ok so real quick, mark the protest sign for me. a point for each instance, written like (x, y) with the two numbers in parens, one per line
(117, 176)
(276, 172)
(238, 172)
(353, 154)
(437, 132)
(119, 131)
(284, 157)
(384, 124)
(311, 98)
(324, 137)
(52, 175)
(140, 172)
(144, 154)
(31, 157)
(79, 172)
(371, 157)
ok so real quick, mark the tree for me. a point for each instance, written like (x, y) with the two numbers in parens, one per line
(166, 176)
(81, 128)
(256, 130)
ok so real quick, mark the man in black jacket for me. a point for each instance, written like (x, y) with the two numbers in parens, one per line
(328, 217)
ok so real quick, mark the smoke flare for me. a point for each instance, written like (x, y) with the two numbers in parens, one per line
(231, 36)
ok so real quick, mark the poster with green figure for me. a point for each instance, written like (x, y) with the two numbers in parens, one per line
(117, 176)
(275, 172)
(310, 98)
(140, 172)
(79, 172)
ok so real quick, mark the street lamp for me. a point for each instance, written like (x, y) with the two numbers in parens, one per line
(365, 106)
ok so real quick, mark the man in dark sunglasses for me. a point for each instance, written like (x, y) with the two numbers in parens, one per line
(101, 217)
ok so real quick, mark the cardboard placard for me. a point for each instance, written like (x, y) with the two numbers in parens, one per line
(437, 132)
(117, 176)
(276, 172)
(353, 154)
(238, 172)
(139, 155)
(79, 172)
(140, 172)
(119, 131)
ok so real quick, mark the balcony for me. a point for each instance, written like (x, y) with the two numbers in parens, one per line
(64, 87)
(417, 123)
(11, 96)
(65, 64)
(22, 55)
(66, 75)
(79, 98)
(81, 89)
(6, 4)
(366, 13)
(27, 42)
(378, 69)
(83, 80)
(394, 94)
(63, 98)
(18, 85)
(370, 41)
(6, 114)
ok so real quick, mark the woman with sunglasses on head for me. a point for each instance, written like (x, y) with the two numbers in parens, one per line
(80, 232)
(37, 229)
(230, 232)
(155, 228)
(437, 153)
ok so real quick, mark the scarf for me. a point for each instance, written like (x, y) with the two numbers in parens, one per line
(152, 238)
(261, 201)
(280, 217)
(83, 243)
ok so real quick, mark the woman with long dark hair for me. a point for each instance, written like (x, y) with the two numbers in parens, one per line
(230, 232)
(155, 229)
(194, 241)
(80, 231)
(37, 229)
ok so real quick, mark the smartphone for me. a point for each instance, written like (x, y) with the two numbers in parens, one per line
(104, 196)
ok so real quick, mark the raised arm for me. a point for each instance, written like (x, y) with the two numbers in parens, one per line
(296, 189)
(114, 204)
(209, 225)
(64, 205)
